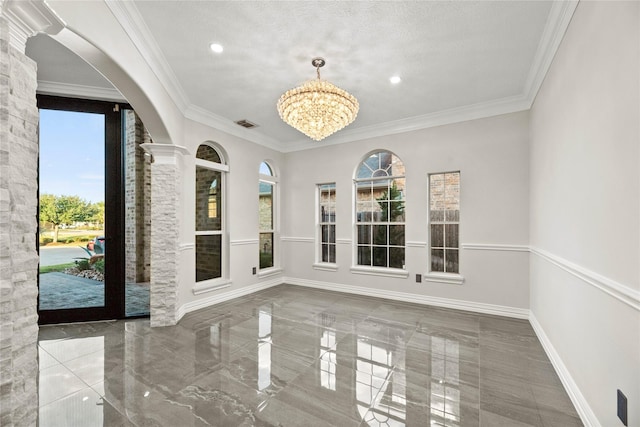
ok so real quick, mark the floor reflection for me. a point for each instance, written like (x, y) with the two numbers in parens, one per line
(264, 347)
(445, 376)
(290, 356)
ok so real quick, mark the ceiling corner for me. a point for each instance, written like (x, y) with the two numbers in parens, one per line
(128, 16)
(557, 23)
(205, 117)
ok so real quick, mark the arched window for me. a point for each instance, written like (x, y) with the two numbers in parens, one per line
(267, 216)
(380, 211)
(210, 214)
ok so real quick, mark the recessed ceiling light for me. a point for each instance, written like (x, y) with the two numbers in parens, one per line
(395, 80)
(217, 48)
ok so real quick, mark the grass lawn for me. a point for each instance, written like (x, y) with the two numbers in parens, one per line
(56, 268)
(69, 238)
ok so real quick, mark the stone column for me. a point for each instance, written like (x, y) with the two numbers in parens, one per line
(18, 211)
(166, 171)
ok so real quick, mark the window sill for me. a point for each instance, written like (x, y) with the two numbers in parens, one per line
(380, 271)
(325, 266)
(448, 278)
(210, 285)
(268, 272)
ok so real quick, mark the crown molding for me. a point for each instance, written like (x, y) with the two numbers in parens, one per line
(79, 91)
(27, 18)
(557, 23)
(455, 115)
(131, 21)
(556, 26)
(206, 117)
(127, 14)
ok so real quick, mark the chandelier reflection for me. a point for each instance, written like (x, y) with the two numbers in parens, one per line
(318, 108)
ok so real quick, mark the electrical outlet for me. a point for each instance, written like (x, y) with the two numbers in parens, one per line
(622, 407)
(418, 278)
(254, 270)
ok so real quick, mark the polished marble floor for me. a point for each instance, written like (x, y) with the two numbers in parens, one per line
(291, 356)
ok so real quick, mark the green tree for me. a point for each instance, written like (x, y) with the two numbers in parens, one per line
(59, 210)
(392, 209)
(95, 213)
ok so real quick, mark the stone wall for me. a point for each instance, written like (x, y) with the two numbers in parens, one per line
(18, 227)
(137, 201)
(165, 192)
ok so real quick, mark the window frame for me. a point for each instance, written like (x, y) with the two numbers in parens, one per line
(440, 276)
(320, 264)
(223, 281)
(370, 269)
(272, 180)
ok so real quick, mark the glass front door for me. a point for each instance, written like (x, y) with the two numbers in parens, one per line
(81, 274)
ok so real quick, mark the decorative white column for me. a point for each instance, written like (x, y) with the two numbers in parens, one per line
(166, 171)
(18, 209)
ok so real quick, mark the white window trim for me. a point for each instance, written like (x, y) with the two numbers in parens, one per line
(325, 266)
(212, 165)
(223, 281)
(380, 271)
(319, 264)
(370, 270)
(439, 276)
(211, 285)
(268, 272)
(273, 180)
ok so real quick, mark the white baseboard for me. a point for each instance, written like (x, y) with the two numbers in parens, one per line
(477, 307)
(582, 406)
(226, 296)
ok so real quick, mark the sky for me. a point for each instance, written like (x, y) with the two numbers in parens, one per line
(72, 154)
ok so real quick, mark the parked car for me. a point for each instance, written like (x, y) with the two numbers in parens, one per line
(97, 245)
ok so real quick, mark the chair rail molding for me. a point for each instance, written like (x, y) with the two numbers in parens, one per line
(242, 242)
(495, 247)
(617, 290)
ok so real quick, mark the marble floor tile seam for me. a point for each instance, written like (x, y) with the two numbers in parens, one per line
(74, 378)
(57, 362)
(124, 421)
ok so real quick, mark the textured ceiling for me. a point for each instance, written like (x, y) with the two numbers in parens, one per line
(450, 55)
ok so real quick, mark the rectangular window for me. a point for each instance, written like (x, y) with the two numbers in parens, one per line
(208, 223)
(380, 222)
(444, 221)
(327, 222)
(266, 191)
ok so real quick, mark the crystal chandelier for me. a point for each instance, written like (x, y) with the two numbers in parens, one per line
(318, 108)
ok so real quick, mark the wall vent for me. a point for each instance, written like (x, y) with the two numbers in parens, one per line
(246, 124)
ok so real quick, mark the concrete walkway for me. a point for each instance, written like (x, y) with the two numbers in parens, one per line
(55, 255)
(59, 290)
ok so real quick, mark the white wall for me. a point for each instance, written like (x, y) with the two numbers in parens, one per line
(585, 198)
(244, 159)
(492, 156)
